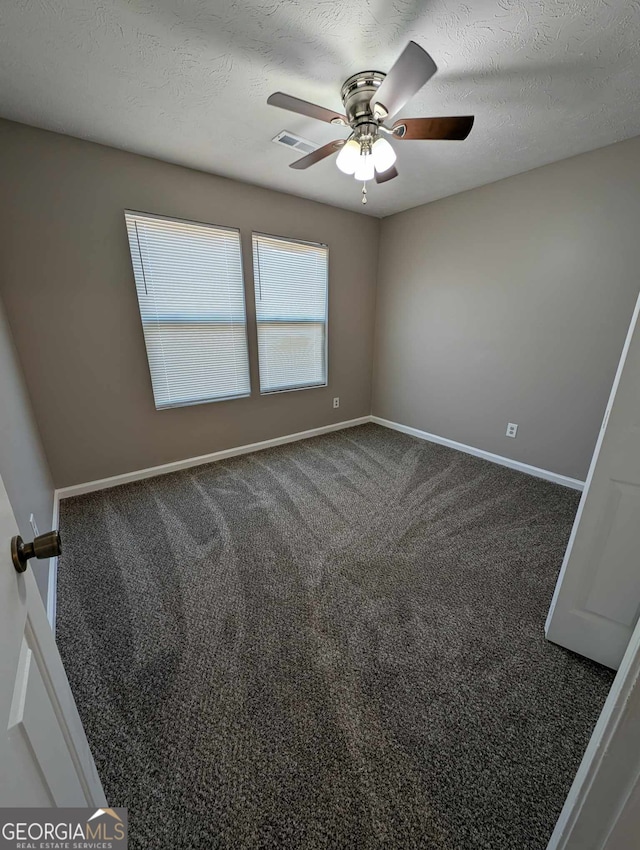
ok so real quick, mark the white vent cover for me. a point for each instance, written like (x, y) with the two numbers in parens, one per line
(291, 140)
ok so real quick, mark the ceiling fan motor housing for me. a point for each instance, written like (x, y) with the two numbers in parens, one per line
(356, 94)
(370, 98)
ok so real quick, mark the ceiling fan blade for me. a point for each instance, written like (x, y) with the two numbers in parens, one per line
(316, 156)
(457, 127)
(389, 174)
(303, 107)
(407, 76)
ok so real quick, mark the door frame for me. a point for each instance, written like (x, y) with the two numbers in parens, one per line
(603, 796)
(52, 584)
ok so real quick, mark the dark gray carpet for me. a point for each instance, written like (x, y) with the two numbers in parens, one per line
(332, 644)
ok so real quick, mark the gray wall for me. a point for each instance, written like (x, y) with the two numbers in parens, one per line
(65, 275)
(23, 466)
(506, 303)
(510, 303)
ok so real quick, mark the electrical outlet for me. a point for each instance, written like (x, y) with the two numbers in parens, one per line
(512, 429)
(34, 525)
(336, 402)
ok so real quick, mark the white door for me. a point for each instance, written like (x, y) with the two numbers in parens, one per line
(602, 809)
(44, 755)
(597, 599)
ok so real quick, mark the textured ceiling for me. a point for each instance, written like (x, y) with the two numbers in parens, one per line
(187, 81)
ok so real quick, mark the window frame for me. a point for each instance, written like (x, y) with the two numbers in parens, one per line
(312, 244)
(170, 218)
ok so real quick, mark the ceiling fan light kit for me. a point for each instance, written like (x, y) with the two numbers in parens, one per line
(383, 155)
(369, 98)
(365, 169)
(347, 159)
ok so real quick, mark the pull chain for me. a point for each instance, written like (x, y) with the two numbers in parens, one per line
(364, 193)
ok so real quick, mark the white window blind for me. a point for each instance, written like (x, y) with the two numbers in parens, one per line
(191, 295)
(291, 283)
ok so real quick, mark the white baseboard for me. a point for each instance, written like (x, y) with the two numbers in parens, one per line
(52, 584)
(574, 483)
(175, 466)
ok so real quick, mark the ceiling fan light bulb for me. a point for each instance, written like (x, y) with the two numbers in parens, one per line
(383, 155)
(365, 169)
(347, 159)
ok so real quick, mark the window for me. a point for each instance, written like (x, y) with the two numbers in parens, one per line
(191, 294)
(291, 281)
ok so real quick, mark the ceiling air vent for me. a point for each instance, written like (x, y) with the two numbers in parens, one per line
(290, 140)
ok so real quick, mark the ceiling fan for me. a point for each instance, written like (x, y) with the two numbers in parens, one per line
(370, 98)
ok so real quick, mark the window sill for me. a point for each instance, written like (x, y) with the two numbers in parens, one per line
(294, 389)
(201, 401)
